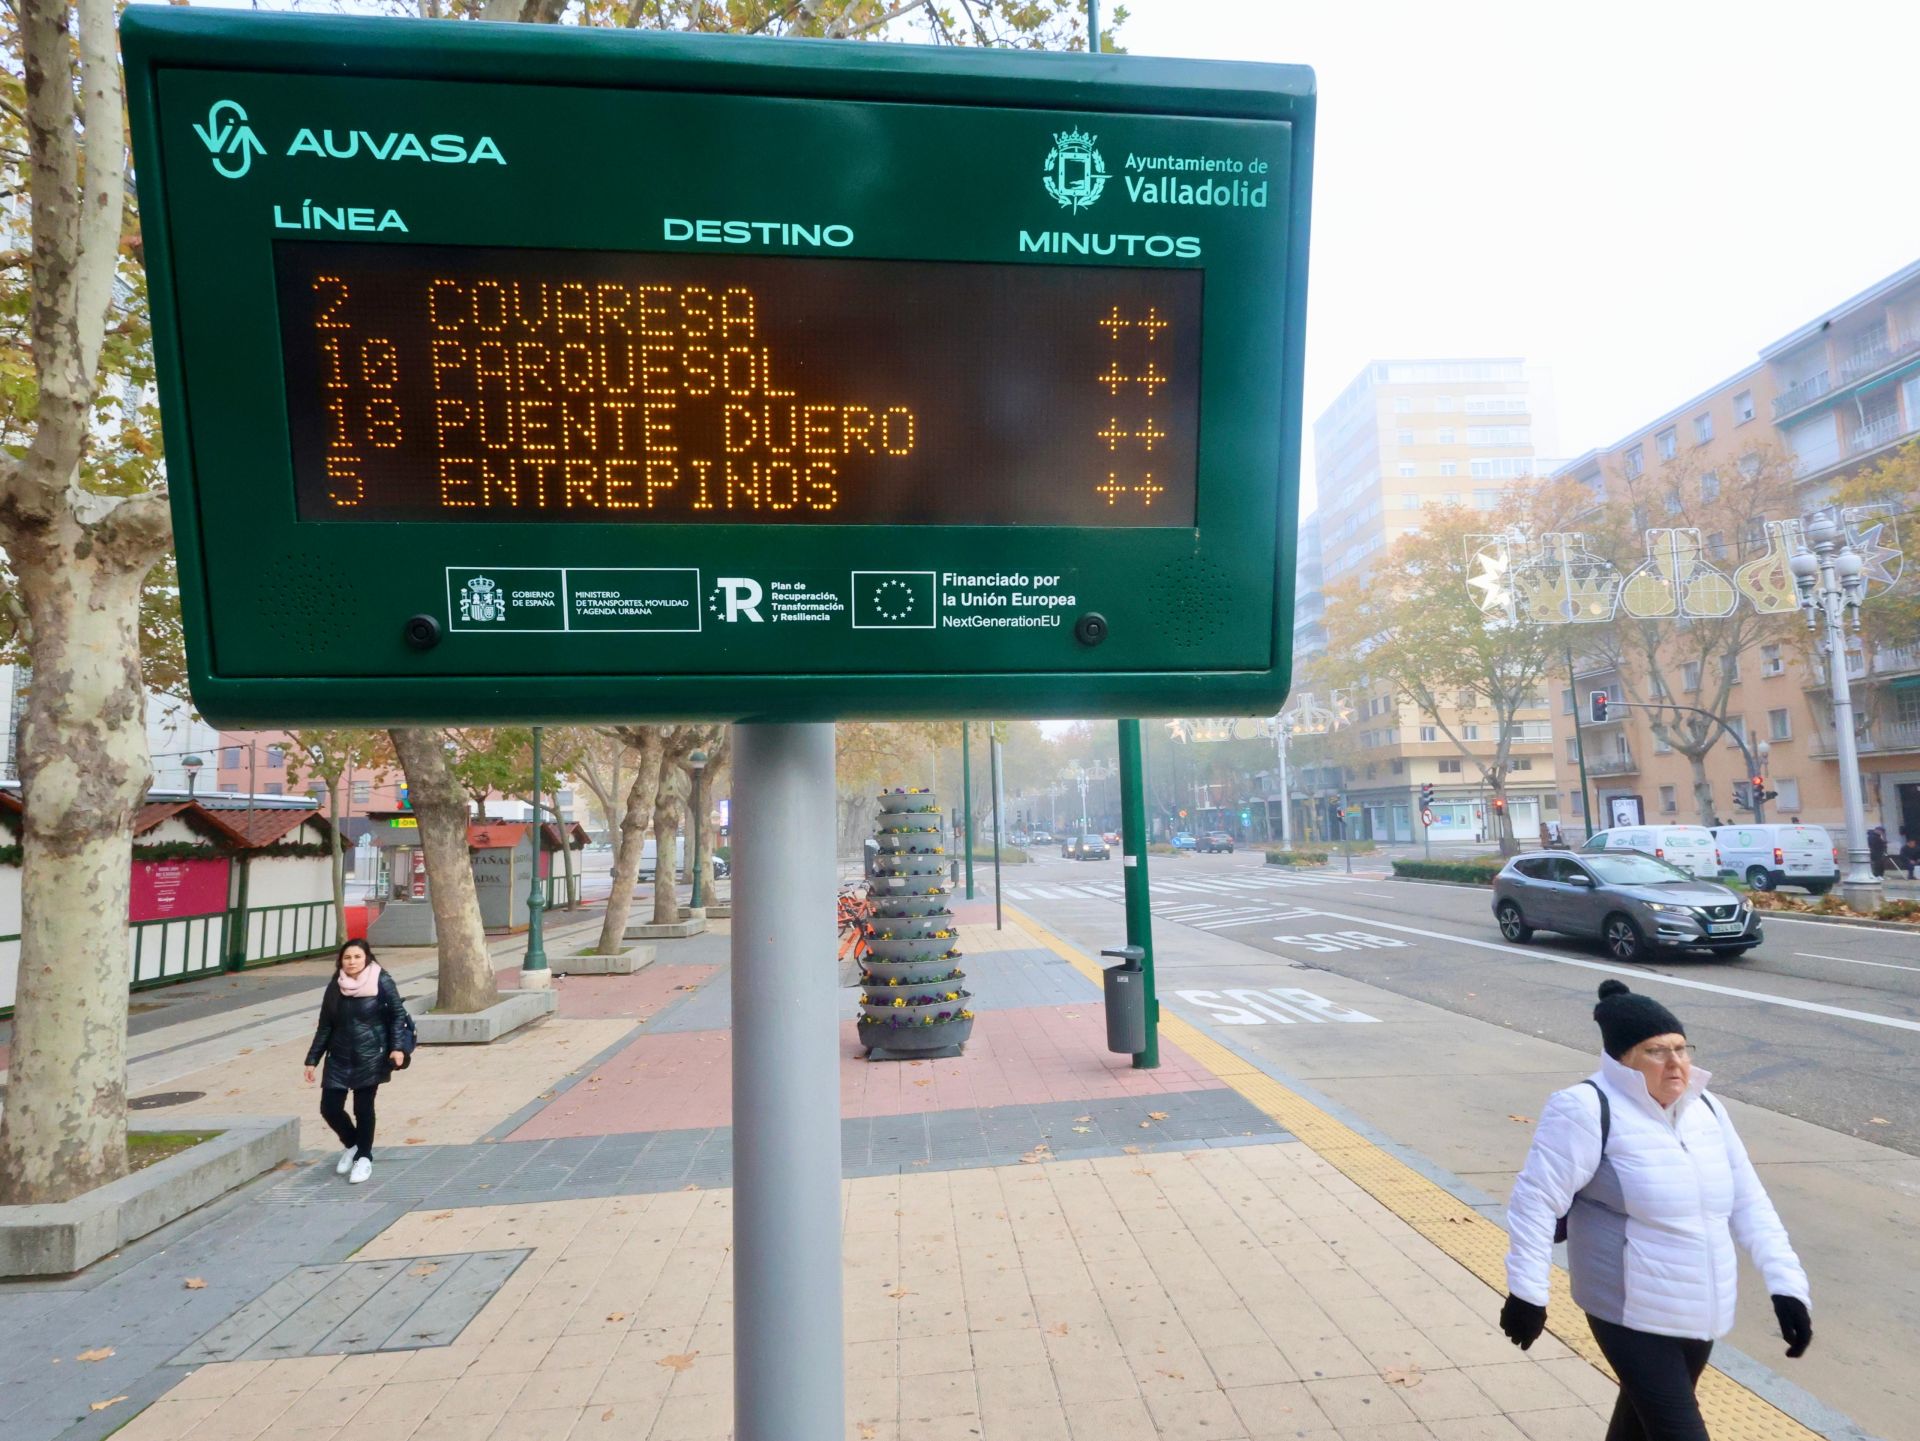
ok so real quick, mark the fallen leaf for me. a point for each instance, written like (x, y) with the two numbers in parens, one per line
(867, 1432)
(691, 1186)
(899, 1293)
(1141, 1171)
(924, 1081)
(441, 1216)
(194, 1283)
(1131, 1150)
(234, 1092)
(1156, 1115)
(425, 1268)
(1083, 1130)
(1408, 1376)
(1038, 1154)
(923, 1163)
(1523, 1120)
(102, 1405)
(99, 1353)
(1877, 1120)
(416, 1140)
(243, 1051)
(1174, 1375)
(1083, 1118)
(617, 1316)
(607, 1415)
(681, 1362)
(1058, 1328)
(1146, 1125)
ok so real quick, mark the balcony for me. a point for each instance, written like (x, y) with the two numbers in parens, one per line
(1861, 440)
(1875, 738)
(1801, 395)
(1616, 763)
(1867, 359)
(1875, 433)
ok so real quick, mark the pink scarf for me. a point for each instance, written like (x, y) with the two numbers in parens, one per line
(367, 983)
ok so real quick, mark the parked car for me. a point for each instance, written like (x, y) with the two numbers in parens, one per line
(1634, 903)
(1182, 841)
(1215, 841)
(1691, 848)
(1770, 855)
(1086, 848)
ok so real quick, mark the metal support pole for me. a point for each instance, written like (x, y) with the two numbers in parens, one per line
(993, 762)
(966, 799)
(1133, 845)
(1860, 887)
(1286, 787)
(534, 975)
(788, 1322)
(697, 901)
(1580, 749)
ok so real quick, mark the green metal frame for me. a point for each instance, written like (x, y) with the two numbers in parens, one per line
(929, 153)
(317, 917)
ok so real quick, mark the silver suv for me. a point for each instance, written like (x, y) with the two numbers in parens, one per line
(1631, 901)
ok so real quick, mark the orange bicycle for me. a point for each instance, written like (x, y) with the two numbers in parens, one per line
(855, 915)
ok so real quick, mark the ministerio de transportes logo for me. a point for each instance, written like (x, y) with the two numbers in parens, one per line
(1074, 174)
(229, 139)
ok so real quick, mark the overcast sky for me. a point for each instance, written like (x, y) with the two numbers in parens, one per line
(1638, 195)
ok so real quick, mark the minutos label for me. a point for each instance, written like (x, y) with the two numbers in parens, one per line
(460, 384)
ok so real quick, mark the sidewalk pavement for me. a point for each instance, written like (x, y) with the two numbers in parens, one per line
(1040, 1242)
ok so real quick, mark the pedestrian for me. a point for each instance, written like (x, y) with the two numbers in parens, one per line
(364, 1037)
(1877, 851)
(1909, 856)
(1654, 1187)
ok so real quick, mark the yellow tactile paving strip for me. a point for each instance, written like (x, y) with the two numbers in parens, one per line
(1732, 1412)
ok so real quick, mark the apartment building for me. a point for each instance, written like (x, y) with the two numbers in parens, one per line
(1309, 597)
(1404, 436)
(1837, 394)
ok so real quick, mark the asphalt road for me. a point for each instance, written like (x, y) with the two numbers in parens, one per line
(1821, 1022)
(1400, 1002)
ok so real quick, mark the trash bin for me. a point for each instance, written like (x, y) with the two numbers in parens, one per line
(1126, 999)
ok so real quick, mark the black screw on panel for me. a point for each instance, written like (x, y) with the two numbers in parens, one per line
(1091, 628)
(422, 632)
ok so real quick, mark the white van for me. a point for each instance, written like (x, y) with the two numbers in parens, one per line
(1689, 847)
(1768, 856)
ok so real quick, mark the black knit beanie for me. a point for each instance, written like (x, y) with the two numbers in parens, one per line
(1626, 1019)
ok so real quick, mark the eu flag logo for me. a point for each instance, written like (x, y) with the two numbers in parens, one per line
(893, 600)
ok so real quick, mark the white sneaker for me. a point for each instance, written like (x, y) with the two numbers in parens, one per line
(362, 1169)
(345, 1163)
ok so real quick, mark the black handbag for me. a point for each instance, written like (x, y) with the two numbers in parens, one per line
(1606, 1125)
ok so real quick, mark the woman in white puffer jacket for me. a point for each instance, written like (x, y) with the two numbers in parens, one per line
(1655, 1188)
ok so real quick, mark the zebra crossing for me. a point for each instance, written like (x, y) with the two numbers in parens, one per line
(1208, 903)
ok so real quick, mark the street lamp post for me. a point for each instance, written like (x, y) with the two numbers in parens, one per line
(191, 765)
(534, 974)
(1830, 578)
(697, 763)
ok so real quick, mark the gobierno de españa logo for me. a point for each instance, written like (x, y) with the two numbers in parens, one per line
(1075, 174)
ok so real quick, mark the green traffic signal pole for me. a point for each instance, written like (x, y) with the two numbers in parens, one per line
(1133, 846)
(533, 968)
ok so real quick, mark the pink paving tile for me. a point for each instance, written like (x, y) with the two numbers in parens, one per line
(599, 998)
(680, 1081)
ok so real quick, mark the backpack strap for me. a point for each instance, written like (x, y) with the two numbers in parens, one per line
(1606, 1115)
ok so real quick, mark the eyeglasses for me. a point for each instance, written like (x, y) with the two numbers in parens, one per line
(1660, 1055)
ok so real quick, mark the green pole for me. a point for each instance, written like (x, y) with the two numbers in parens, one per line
(536, 958)
(698, 760)
(1133, 845)
(966, 800)
(1579, 749)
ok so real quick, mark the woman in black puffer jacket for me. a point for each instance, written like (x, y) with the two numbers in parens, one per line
(359, 1036)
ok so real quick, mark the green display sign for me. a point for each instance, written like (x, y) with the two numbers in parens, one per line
(520, 372)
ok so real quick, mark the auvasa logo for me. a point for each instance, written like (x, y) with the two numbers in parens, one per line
(1075, 174)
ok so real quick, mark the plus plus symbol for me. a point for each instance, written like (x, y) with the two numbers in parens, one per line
(1113, 323)
(1153, 324)
(1112, 489)
(1149, 433)
(1114, 378)
(1114, 433)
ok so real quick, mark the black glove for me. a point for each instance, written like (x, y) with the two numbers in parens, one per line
(1796, 1326)
(1523, 1321)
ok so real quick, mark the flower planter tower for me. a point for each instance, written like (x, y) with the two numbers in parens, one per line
(913, 997)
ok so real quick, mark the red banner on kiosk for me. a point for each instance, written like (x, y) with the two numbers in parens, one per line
(165, 890)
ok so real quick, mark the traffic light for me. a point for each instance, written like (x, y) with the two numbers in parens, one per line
(1599, 701)
(1246, 817)
(1426, 795)
(1499, 805)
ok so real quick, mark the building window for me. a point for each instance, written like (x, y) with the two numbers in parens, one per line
(1567, 703)
(1443, 402)
(1444, 435)
(1730, 668)
(1770, 661)
(1743, 407)
(1410, 501)
(317, 790)
(1750, 465)
(274, 788)
(1690, 676)
(1449, 768)
(1485, 499)
(1709, 486)
(1787, 796)
(1407, 470)
(1573, 750)
(1402, 404)
(1737, 729)
(1673, 503)
(276, 758)
(1403, 437)
(1667, 444)
(1397, 767)
(230, 758)
(1521, 763)
(1469, 732)
(1661, 746)
(1717, 544)
(1703, 428)
(1452, 497)
(1636, 462)
(229, 790)
(1578, 804)
(362, 792)
(1429, 733)
(1669, 799)
(1449, 467)
(1779, 725)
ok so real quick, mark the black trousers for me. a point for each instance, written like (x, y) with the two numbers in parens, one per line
(1657, 1376)
(357, 1133)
